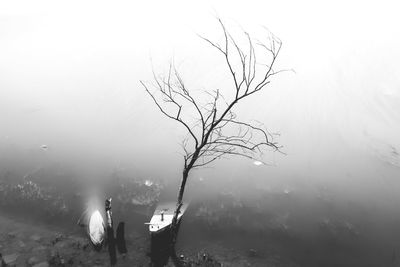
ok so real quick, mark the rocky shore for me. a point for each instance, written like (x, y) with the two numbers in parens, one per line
(24, 244)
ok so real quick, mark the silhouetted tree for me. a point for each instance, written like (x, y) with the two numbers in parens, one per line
(209, 119)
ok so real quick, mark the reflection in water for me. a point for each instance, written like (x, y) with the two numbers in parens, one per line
(161, 249)
(120, 239)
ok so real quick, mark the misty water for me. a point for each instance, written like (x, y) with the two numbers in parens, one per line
(344, 213)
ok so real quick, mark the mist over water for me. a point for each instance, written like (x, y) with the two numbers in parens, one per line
(336, 205)
(73, 116)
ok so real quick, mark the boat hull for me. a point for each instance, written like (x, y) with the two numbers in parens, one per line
(163, 216)
(96, 230)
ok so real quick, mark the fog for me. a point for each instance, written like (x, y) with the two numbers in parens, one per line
(70, 93)
(70, 78)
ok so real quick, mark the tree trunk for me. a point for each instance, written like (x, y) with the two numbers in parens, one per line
(185, 175)
(179, 203)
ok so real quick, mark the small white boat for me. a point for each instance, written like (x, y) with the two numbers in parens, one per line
(163, 215)
(96, 229)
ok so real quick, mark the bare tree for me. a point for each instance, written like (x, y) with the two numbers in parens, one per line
(213, 130)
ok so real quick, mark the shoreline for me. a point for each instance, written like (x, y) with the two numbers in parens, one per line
(40, 246)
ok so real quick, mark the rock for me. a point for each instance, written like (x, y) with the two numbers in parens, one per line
(55, 258)
(58, 238)
(12, 234)
(61, 244)
(21, 244)
(79, 242)
(205, 260)
(71, 262)
(53, 253)
(252, 253)
(36, 237)
(33, 260)
(10, 258)
(38, 249)
(42, 264)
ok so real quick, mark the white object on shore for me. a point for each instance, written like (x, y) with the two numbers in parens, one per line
(163, 215)
(96, 228)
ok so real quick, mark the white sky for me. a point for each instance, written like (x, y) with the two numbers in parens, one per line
(70, 71)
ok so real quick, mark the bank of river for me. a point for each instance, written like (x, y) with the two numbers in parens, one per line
(25, 243)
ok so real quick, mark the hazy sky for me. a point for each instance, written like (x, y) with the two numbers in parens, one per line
(70, 71)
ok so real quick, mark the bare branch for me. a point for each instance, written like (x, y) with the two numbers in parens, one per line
(213, 130)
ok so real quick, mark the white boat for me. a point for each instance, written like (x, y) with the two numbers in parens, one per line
(163, 215)
(95, 229)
